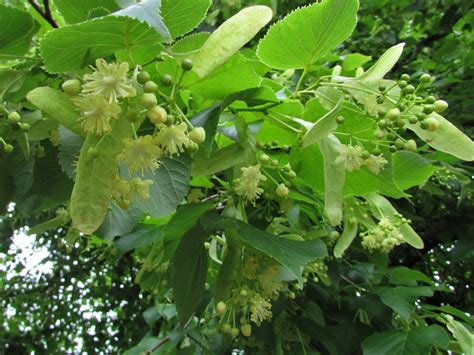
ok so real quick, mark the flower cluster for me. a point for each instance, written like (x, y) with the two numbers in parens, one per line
(98, 99)
(127, 190)
(140, 154)
(354, 157)
(385, 236)
(247, 186)
(318, 270)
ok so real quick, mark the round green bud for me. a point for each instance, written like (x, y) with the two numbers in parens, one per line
(72, 87)
(124, 203)
(24, 127)
(207, 245)
(424, 124)
(393, 149)
(412, 120)
(246, 330)
(380, 100)
(150, 86)
(382, 88)
(376, 151)
(157, 115)
(402, 84)
(291, 295)
(274, 162)
(291, 174)
(226, 328)
(187, 64)
(339, 119)
(427, 109)
(14, 117)
(197, 135)
(402, 107)
(410, 145)
(405, 77)
(410, 89)
(440, 106)
(425, 78)
(234, 332)
(243, 293)
(40, 152)
(282, 190)
(143, 77)
(365, 155)
(430, 100)
(193, 147)
(285, 148)
(148, 100)
(93, 152)
(399, 144)
(8, 148)
(433, 123)
(167, 80)
(264, 158)
(382, 123)
(221, 308)
(393, 114)
(421, 116)
(399, 123)
(391, 136)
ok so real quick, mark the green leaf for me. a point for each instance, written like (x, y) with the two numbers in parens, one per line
(77, 46)
(406, 342)
(354, 60)
(226, 40)
(381, 207)
(170, 186)
(208, 119)
(314, 312)
(410, 169)
(308, 33)
(447, 138)
(147, 11)
(191, 43)
(141, 236)
(402, 273)
(334, 177)
(182, 16)
(402, 298)
(118, 222)
(237, 74)
(190, 265)
(80, 11)
(18, 28)
(289, 253)
(346, 238)
(57, 105)
(464, 337)
(69, 150)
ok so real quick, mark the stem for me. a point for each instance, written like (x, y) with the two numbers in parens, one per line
(148, 352)
(300, 81)
(46, 13)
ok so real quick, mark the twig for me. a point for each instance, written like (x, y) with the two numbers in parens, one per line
(148, 352)
(46, 13)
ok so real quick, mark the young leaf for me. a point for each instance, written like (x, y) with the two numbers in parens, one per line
(189, 272)
(383, 65)
(18, 27)
(182, 16)
(74, 47)
(232, 35)
(308, 33)
(334, 177)
(447, 138)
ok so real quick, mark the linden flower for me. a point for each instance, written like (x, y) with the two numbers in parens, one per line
(173, 139)
(140, 154)
(260, 309)
(351, 157)
(269, 281)
(140, 188)
(96, 113)
(375, 163)
(247, 184)
(250, 267)
(109, 80)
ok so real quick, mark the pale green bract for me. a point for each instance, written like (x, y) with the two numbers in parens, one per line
(232, 35)
(308, 33)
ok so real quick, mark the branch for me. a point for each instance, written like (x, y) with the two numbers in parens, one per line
(46, 13)
(148, 352)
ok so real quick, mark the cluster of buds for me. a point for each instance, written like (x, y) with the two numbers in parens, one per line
(385, 236)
